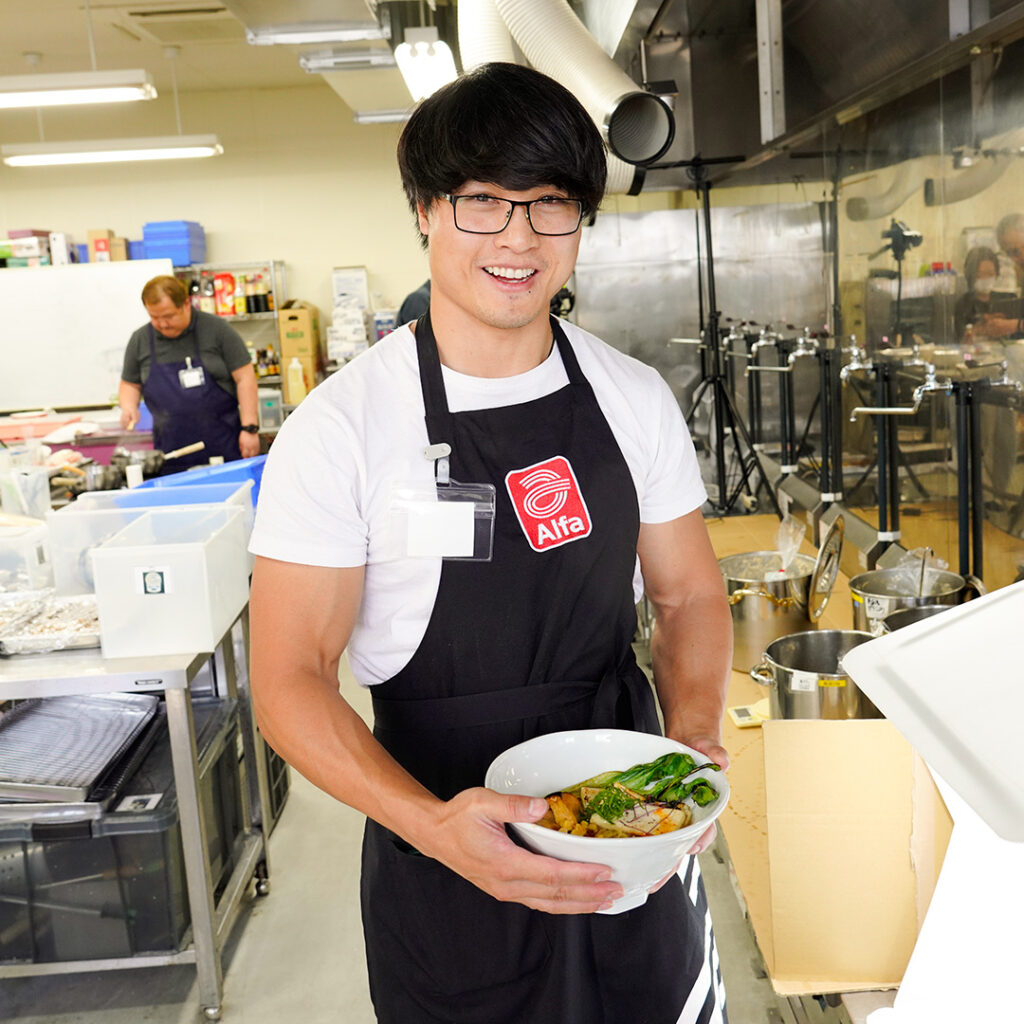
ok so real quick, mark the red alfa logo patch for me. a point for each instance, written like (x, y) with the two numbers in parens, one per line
(549, 503)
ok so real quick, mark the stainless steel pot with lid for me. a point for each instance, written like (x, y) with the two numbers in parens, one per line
(768, 602)
(805, 678)
(881, 592)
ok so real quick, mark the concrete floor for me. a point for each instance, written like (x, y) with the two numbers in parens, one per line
(297, 955)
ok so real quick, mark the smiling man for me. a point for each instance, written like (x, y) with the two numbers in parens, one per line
(472, 509)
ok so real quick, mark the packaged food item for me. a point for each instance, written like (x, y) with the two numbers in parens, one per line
(224, 293)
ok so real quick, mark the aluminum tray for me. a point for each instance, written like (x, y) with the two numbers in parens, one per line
(55, 748)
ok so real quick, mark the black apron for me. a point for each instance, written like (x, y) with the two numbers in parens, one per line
(182, 416)
(529, 643)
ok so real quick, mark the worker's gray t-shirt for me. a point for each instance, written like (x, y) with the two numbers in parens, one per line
(221, 350)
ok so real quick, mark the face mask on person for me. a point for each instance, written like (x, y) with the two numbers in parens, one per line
(984, 285)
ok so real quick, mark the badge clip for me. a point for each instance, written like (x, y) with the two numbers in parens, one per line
(438, 454)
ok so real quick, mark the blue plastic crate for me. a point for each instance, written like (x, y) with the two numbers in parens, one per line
(187, 494)
(181, 254)
(136, 250)
(240, 469)
(177, 228)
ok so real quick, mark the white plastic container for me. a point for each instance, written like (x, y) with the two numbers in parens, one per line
(271, 413)
(24, 556)
(171, 582)
(235, 492)
(74, 531)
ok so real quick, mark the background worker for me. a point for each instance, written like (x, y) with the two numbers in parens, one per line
(472, 648)
(195, 375)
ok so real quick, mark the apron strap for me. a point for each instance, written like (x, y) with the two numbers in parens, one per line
(435, 400)
(519, 703)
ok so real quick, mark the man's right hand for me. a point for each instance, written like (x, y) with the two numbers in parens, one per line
(129, 417)
(470, 839)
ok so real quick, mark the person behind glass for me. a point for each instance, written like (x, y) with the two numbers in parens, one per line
(1005, 321)
(468, 654)
(978, 303)
(195, 375)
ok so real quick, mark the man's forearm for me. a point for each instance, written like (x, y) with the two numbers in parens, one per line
(691, 655)
(247, 392)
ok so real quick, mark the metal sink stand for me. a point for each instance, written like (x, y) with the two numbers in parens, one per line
(75, 672)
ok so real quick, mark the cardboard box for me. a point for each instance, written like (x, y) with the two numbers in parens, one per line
(118, 249)
(351, 284)
(99, 245)
(837, 834)
(298, 324)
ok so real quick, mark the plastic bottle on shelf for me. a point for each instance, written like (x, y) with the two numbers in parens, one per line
(261, 294)
(270, 297)
(240, 295)
(273, 366)
(193, 292)
(250, 294)
(207, 294)
(296, 382)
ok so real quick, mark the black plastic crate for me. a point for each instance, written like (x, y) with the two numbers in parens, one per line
(277, 784)
(115, 886)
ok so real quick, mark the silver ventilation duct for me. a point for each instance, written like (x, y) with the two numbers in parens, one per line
(484, 37)
(638, 126)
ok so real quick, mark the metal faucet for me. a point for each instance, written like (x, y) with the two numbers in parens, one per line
(858, 358)
(806, 345)
(929, 384)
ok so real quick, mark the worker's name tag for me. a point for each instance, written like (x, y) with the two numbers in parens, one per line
(192, 377)
(440, 528)
(452, 522)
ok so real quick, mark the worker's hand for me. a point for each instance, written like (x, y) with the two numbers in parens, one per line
(996, 326)
(248, 444)
(471, 840)
(129, 417)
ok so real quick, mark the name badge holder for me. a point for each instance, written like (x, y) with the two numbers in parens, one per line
(191, 376)
(450, 520)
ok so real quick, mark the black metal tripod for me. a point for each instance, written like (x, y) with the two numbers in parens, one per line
(714, 375)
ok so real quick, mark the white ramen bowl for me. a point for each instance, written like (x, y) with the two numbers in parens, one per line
(549, 763)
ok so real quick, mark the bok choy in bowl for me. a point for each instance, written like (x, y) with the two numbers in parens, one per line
(632, 801)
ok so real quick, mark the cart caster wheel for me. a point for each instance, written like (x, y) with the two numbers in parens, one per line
(263, 887)
(211, 1012)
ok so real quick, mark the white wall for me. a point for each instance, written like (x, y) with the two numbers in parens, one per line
(298, 181)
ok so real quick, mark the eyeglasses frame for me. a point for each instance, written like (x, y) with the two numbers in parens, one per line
(527, 203)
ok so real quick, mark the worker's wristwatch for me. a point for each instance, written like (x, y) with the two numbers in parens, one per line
(250, 428)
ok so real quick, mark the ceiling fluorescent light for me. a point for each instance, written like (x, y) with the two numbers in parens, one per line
(75, 88)
(350, 60)
(108, 151)
(312, 33)
(425, 62)
(381, 116)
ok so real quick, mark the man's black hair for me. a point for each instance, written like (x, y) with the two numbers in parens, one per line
(507, 125)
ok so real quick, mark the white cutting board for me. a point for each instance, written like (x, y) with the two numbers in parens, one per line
(953, 685)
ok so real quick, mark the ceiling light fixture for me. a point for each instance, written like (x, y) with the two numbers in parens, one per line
(106, 151)
(75, 88)
(346, 60)
(313, 33)
(381, 116)
(426, 63)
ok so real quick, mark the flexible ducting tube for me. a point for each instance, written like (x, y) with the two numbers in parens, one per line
(637, 125)
(965, 184)
(904, 184)
(484, 37)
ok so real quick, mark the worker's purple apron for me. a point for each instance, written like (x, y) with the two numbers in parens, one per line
(182, 416)
(528, 643)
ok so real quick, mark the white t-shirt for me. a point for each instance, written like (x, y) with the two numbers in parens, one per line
(325, 496)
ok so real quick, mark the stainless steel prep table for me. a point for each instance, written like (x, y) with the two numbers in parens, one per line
(87, 671)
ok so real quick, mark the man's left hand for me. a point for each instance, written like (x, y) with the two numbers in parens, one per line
(248, 444)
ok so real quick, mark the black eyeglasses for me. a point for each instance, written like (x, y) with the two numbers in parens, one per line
(489, 215)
